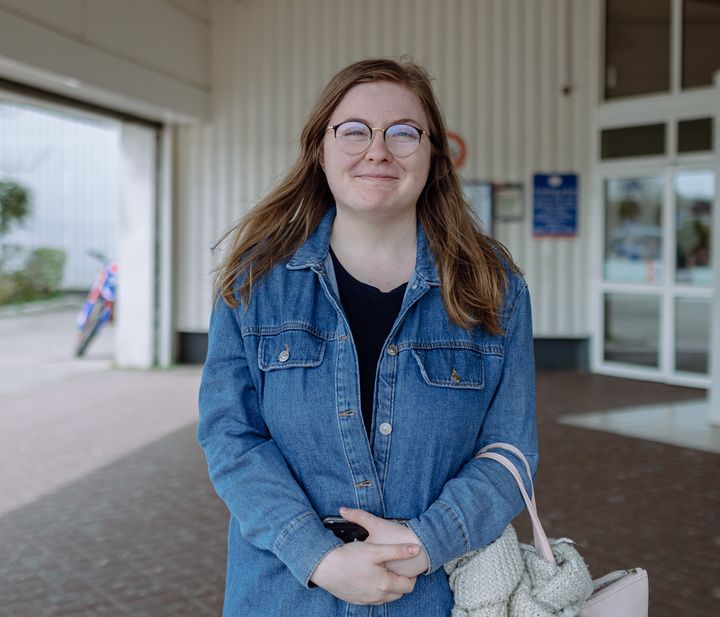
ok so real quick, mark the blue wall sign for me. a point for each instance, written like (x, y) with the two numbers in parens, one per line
(555, 210)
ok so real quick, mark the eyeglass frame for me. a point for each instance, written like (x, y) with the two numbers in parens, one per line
(384, 132)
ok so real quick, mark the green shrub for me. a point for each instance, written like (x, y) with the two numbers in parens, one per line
(44, 270)
(40, 278)
(14, 205)
(8, 288)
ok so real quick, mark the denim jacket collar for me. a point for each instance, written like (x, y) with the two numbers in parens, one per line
(314, 251)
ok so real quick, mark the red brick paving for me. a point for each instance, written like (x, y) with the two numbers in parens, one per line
(630, 502)
(145, 535)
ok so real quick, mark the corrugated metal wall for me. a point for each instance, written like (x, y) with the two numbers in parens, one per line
(500, 67)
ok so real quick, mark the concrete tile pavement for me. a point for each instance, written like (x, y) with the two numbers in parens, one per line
(142, 533)
(682, 423)
(37, 347)
(141, 536)
(59, 432)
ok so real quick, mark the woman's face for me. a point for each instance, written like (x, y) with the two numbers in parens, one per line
(375, 182)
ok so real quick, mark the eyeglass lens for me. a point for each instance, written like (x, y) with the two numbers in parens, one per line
(355, 137)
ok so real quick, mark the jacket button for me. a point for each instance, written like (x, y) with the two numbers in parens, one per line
(392, 350)
(284, 355)
(386, 428)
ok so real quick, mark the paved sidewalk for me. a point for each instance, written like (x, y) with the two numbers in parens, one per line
(38, 348)
(141, 532)
(58, 433)
(627, 501)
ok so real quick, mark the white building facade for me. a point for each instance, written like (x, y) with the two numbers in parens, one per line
(531, 86)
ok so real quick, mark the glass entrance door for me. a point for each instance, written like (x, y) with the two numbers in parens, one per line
(656, 277)
(694, 194)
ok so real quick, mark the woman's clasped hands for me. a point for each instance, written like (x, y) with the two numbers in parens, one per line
(381, 569)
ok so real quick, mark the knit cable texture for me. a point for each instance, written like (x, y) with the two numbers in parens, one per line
(510, 579)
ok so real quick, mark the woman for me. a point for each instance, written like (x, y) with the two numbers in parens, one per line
(366, 342)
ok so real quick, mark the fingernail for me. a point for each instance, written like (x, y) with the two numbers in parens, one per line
(343, 510)
(414, 548)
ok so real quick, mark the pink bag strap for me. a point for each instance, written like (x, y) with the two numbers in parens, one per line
(540, 538)
(510, 448)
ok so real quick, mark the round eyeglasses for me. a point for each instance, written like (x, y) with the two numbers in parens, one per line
(355, 137)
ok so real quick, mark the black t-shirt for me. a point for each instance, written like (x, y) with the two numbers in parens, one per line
(371, 314)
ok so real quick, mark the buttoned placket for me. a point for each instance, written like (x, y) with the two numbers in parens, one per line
(384, 399)
(368, 493)
(368, 466)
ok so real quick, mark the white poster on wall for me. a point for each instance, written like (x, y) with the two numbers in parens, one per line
(480, 196)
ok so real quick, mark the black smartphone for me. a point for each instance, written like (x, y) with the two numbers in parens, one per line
(345, 530)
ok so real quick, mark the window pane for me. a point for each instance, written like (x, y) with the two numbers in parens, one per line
(633, 230)
(692, 335)
(694, 193)
(701, 33)
(637, 47)
(632, 329)
(695, 135)
(643, 140)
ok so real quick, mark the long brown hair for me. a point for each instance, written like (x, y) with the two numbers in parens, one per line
(470, 264)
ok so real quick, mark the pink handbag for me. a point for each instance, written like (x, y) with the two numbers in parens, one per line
(623, 593)
(620, 593)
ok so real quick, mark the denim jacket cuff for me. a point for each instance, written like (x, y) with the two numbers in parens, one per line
(303, 545)
(441, 533)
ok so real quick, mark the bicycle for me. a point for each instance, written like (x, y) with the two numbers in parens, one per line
(99, 307)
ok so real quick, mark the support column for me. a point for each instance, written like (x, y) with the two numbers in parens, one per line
(165, 339)
(137, 281)
(714, 397)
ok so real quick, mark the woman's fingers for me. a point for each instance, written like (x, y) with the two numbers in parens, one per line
(392, 552)
(386, 532)
(402, 584)
(355, 572)
(360, 517)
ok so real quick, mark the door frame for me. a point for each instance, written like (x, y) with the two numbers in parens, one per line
(667, 292)
(667, 109)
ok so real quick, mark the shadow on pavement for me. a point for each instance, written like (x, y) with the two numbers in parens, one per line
(142, 536)
(145, 535)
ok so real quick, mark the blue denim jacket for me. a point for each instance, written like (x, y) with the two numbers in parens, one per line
(285, 443)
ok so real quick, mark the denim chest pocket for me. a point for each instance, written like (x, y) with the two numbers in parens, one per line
(451, 367)
(289, 349)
